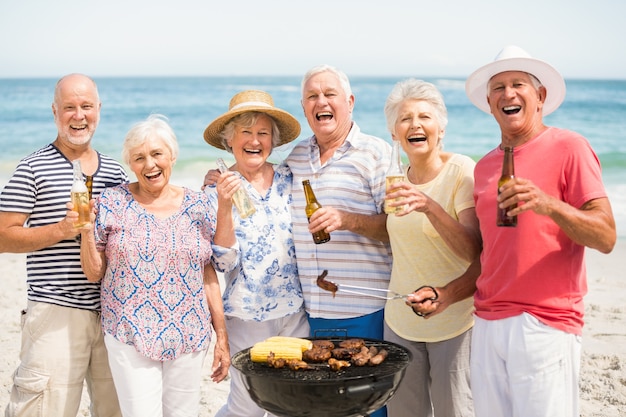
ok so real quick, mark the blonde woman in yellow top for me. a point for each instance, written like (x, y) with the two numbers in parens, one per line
(434, 238)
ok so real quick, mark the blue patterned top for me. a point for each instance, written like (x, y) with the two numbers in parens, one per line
(152, 291)
(264, 284)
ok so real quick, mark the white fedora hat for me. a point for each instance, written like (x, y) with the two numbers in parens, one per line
(513, 58)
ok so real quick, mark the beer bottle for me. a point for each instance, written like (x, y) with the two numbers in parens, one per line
(241, 200)
(80, 196)
(508, 173)
(394, 174)
(311, 207)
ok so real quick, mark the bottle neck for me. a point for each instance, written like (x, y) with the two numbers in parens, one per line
(308, 192)
(78, 173)
(395, 166)
(508, 167)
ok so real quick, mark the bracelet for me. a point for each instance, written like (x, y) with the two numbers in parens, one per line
(433, 298)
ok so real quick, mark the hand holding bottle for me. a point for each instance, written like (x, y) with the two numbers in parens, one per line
(312, 205)
(508, 173)
(80, 196)
(240, 199)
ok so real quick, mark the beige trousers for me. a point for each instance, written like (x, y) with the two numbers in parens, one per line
(61, 348)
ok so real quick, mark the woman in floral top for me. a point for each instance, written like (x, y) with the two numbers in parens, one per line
(152, 248)
(262, 297)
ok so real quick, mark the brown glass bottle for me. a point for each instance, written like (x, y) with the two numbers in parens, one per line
(508, 173)
(311, 207)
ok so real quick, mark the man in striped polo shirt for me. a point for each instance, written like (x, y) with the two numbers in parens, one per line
(346, 169)
(62, 343)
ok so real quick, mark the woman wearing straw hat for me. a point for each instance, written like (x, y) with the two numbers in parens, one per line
(263, 296)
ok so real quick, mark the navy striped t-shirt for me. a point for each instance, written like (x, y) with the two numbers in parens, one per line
(40, 187)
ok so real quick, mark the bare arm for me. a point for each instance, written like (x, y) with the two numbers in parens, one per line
(331, 219)
(462, 236)
(227, 184)
(221, 354)
(92, 261)
(456, 290)
(591, 225)
(16, 238)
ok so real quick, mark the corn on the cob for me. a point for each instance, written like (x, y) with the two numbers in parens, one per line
(260, 350)
(304, 344)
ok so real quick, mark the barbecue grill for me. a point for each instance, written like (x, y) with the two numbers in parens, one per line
(322, 392)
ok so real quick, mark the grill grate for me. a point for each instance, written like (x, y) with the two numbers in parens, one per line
(396, 360)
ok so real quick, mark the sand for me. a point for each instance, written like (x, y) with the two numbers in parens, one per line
(603, 379)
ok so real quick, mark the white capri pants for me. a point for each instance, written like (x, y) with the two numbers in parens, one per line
(146, 387)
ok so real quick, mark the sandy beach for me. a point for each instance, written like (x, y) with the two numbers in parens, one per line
(603, 379)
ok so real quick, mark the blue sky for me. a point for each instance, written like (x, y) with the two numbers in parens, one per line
(49, 38)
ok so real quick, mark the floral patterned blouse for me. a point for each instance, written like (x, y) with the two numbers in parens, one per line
(264, 285)
(152, 291)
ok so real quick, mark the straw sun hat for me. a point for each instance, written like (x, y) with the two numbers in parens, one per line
(253, 101)
(513, 58)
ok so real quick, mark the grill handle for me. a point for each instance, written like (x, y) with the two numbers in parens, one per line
(382, 385)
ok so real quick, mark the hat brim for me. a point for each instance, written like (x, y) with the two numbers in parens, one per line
(476, 84)
(288, 125)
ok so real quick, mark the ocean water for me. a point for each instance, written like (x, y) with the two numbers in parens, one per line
(594, 108)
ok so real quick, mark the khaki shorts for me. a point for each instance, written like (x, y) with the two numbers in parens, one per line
(61, 348)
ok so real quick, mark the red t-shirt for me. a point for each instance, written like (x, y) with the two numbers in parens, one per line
(535, 267)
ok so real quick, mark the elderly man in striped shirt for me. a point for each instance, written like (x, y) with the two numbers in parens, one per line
(62, 344)
(346, 169)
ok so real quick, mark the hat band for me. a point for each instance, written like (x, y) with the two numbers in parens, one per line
(250, 104)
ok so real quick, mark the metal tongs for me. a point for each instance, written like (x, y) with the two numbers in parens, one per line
(355, 289)
(390, 295)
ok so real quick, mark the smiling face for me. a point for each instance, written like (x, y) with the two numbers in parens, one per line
(516, 103)
(152, 163)
(417, 128)
(252, 145)
(76, 109)
(326, 107)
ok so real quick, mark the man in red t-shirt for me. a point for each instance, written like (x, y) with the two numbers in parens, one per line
(526, 347)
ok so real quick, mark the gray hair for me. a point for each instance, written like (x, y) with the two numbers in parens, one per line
(412, 89)
(154, 126)
(246, 120)
(343, 78)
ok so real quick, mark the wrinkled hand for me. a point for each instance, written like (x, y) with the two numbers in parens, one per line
(327, 218)
(526, 195)
(411, 199)
(227, 184)
(221, 360)
(425, 302)
(210, 178)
